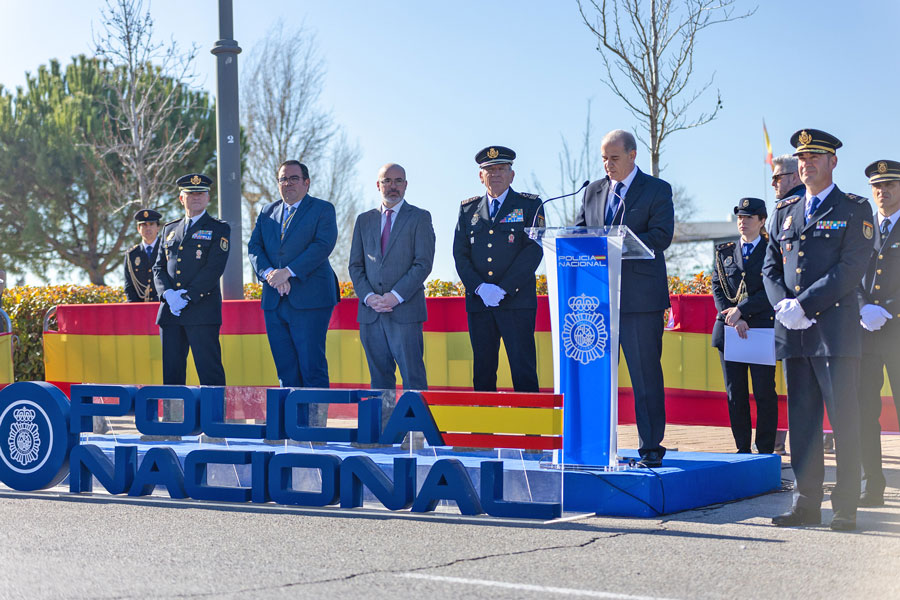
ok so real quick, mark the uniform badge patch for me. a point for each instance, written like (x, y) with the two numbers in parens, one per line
(195, 180)
(475, 218)
(223, 244)
(137, 261)
(170, 236)
(831, 224)
(787, 246)
(787, 222)
(868, 230)
(512, 238)
(895, 245)
(882, 167)
(728, 261)
(540, 221)
(203, 234)
(199, 253)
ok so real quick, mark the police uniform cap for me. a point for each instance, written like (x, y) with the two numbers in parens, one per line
(194, 182)
(815, 141)
(494, 155)
(147, 215)
(883, 170)
(751, 206)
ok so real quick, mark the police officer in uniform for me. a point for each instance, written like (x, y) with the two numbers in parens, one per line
(818, 250)
(186, 273)
(496, 261)
(879, 311)
(140, 258)
(742, 303)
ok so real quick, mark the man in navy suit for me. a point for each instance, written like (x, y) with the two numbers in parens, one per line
(289, 250)
(627, 196)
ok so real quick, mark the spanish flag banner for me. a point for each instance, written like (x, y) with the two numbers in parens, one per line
(768, 146)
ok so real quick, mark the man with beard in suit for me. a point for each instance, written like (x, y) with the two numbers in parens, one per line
(627, 196)
(390, 257)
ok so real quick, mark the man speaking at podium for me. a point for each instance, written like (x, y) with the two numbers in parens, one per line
(627, 196)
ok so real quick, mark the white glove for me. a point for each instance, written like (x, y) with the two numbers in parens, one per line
(490, 294)
(873, 317)
(175, 300)
(790, 314)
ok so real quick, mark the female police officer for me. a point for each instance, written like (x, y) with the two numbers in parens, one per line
(742, 303)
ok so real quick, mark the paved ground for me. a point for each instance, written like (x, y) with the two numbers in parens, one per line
(65, 547)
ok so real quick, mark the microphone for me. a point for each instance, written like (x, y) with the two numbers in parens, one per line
(534, 220)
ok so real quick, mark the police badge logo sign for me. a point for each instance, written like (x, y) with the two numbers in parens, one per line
(24, 439)
(584, 333)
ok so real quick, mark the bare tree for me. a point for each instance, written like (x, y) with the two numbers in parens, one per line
(152, 125)
(648, 52)
(281, 87)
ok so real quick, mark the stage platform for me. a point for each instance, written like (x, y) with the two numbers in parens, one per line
(686, 480)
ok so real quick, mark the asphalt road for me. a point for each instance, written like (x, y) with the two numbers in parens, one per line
(97, 547)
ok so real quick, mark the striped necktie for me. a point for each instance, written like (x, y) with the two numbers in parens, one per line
(613, 204)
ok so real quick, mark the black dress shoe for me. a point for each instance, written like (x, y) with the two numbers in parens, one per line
(651, 460)
(798, 516)
(869, 499)
(842, 522)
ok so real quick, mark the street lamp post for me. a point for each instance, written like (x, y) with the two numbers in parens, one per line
(228, 147)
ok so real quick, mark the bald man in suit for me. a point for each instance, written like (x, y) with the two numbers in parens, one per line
(390, 257)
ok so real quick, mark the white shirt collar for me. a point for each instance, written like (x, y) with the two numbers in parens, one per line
(626, 183)
(500, 199)
(752, 243)
(150, 246)
(892, 217)
(395, 208)
(821, 195)
(197, 218)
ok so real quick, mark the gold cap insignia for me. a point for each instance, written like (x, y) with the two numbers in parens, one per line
(804, 138)
(492, 153)
(746, 203)
(146, 214)
(882, 167)
(195, 180)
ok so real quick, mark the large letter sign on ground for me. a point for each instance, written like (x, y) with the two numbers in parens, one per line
(34, 435)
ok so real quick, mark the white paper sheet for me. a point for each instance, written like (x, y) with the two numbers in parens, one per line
(758, 348)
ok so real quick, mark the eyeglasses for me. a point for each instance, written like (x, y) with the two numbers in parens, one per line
(293, 180)
(396, 181)
(777, 178)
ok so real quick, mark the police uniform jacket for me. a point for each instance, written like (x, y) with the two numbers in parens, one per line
(498, 250)
(729, 271)
(192, 259)
(139, 274)
(881, 286)
(820, 263)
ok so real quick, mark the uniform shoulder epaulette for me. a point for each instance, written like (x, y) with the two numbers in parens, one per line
(172, 222)
(135, 247)
(856, 198)
(471, 200)
(530, 196)
(725, 246)
(787, 202)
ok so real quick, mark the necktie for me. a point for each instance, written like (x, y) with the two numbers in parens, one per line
(149, 251)
(286, 220)
(746, 249)
(495, 205)
(613, 204)
(885, 227)
(813, 205)
(386, 232)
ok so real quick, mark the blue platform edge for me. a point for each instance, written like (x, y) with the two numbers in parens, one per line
(687, 480)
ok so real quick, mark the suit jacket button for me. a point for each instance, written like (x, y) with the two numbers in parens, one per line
(877, 287)
(491, 246)
(491, 231)
(180, 247)
(177, 284)
(490, 259)
(179, 260)
(878, 272)
(802, 237)
(837, 303)
(796, 288)
(881, 257)
(178, 272)
(490, 273)
(800, 253)
(878, 302)
(799, 270)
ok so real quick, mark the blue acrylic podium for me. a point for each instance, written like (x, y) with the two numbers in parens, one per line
(583, 280)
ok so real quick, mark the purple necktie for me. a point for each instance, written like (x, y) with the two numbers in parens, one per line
(386, 232)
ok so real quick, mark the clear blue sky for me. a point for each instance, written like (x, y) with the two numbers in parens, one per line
(427, 84)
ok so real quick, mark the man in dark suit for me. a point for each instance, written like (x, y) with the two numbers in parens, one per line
(627, 196)
(186, 274)
(496, 261)
(289, 250)
(390, 257)
(879, 304)
(140, 258)
(816, 257)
